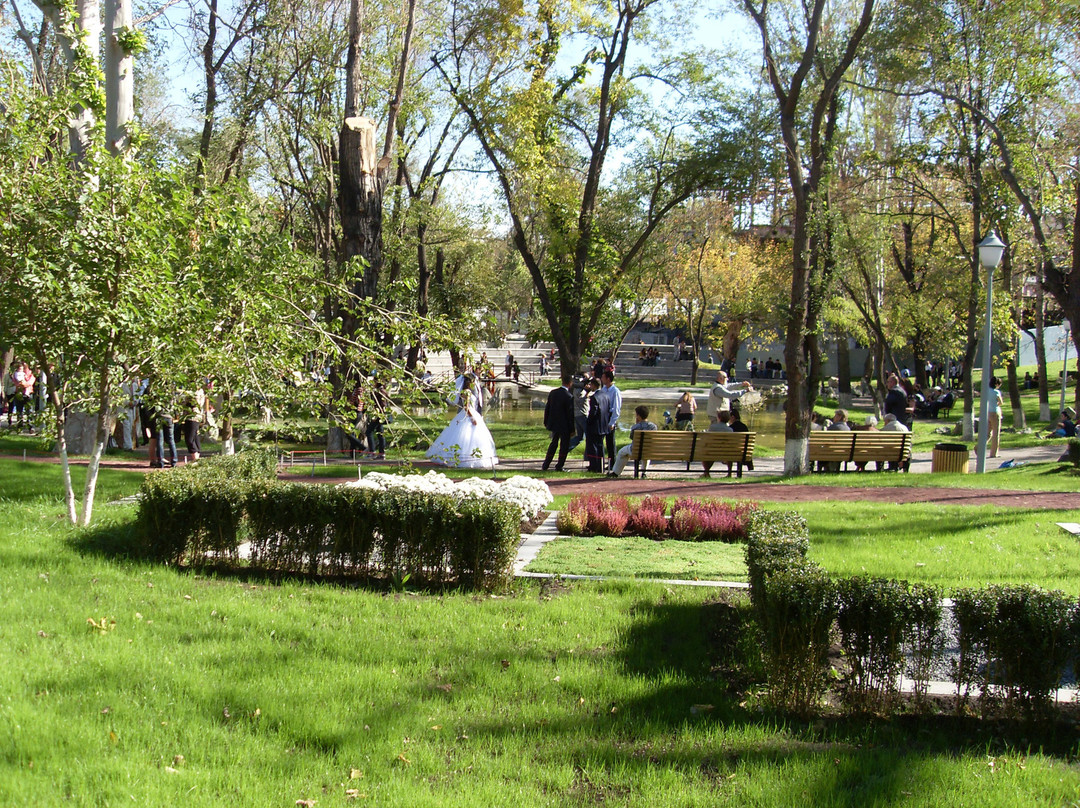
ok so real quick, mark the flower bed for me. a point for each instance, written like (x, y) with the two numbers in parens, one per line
(528, 495)
(689, 519)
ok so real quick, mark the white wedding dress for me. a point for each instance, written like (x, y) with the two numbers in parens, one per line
(463, 444)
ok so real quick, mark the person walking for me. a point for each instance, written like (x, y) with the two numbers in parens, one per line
(559, 421)
(993, 417)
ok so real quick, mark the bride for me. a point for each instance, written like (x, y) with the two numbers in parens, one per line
(466, 442)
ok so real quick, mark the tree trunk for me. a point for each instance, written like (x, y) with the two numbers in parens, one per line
(119, 78)
(843, 370)
(104, 427)
(1040, 350)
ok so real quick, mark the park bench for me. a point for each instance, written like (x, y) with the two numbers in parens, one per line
(734, 448)
(861, 447)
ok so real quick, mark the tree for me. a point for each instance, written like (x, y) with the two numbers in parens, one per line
(805, 65)
(547, 134)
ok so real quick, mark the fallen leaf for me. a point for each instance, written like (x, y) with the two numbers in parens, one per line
(445, 688)
(306, 803)
(436, 727)
(187, 597)
(42, 634)
(352, 793)
(404, 760)
(114, 738)
(257, 713)
(138, 616)
(355, 774)
(171, 770)
(506, 664)
(178, 760)
(106, 710)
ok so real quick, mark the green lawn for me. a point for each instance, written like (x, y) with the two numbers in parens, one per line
(951, 547)
(242, 691)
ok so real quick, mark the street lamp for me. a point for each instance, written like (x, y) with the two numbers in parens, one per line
(990, 251)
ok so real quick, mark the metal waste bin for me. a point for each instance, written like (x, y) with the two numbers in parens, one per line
(950, 457)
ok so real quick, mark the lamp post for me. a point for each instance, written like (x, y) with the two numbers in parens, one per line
(990, 251)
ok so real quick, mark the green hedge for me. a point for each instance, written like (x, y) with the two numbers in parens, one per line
(201, 519)
(1015, 642)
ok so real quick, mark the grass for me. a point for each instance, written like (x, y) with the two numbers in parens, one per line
(1048, 477)
(952, 547)
(224, 691)
(636, 557)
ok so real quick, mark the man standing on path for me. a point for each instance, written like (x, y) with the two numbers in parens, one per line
(896, 401)
(559, 421)
(721, 396)
(612, 406)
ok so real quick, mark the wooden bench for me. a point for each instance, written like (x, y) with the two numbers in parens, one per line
(734, 448)
(862, 448)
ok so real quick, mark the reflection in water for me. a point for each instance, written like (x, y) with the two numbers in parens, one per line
(517, 407)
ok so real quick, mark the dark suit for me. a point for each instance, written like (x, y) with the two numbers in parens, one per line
(559, 421)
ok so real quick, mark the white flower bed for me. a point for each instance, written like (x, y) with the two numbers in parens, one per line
(529, 495)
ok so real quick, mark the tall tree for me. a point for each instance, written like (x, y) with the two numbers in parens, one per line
(548, 133)
(807, 50)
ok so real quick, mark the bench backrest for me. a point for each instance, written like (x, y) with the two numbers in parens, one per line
(859, 446)
(730, 447)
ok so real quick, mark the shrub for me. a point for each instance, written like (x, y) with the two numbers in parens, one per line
(182, 518)
(924, 637)
(710, 520)
(572, 519)
(647, 518)
(1031, 640)
(873, 616)
(607, 515)
(800, 606)
(973, 610)
(291, 525)
(776, 540)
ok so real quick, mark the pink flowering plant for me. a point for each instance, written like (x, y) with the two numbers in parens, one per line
(690, 519)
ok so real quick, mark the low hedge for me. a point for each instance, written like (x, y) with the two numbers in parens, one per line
(202, 519)
(1015, 642)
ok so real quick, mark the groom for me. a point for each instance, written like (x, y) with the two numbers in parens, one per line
(559, 421)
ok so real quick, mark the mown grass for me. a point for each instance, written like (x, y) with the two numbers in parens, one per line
(1060, 477)
(636, 557)
(949, 546)
(238, 691)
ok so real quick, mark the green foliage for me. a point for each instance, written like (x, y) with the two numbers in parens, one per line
(1074, 452)
(800, 607)
(201, 516)
(924, 635)
(131, 40)
(1015, 641)
(776, 540)
(1031, 640)
(973, 610)
(873, 619)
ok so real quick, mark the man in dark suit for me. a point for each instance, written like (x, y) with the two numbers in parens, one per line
(559, 421)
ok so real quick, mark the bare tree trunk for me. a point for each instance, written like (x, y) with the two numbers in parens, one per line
(119, 77)
(104, 427)
(1040, 350)
(843, 370)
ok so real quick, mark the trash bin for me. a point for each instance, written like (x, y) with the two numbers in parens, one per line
(950, 457)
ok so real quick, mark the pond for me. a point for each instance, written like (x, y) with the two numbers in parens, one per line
(526, 407)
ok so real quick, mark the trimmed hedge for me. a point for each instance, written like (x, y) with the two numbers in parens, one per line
(1015, 642)
(201, 519)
